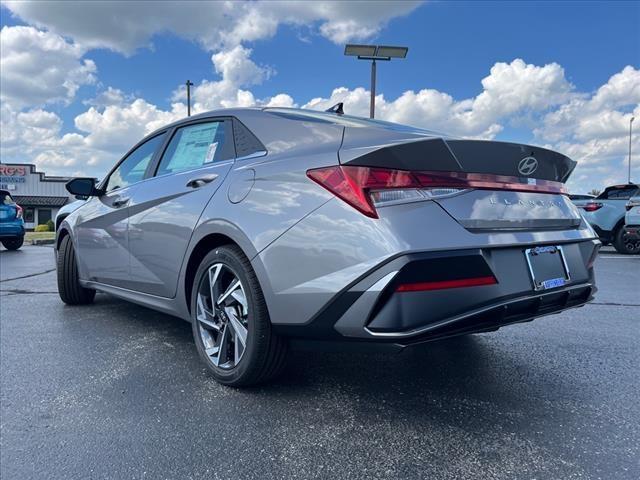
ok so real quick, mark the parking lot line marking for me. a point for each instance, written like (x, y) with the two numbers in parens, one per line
(619, 258)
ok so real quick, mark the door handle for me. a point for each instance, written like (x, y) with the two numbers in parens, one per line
(200, 181)
(119, 202)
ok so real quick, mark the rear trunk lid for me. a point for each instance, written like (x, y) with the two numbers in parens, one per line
(520, 169)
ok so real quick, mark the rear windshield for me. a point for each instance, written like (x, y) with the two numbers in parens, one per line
(623, 192)
(5, 199)
(346, 120)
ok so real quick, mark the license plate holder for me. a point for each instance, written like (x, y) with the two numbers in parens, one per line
(548, 267)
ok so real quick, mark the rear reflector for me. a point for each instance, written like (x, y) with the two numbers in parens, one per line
(355, 184)
(445, 284)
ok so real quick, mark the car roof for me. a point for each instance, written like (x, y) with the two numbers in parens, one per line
(302, 115)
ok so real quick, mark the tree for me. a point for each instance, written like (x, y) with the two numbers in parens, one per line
(595, 192)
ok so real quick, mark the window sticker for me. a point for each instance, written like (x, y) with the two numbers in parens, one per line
(211, 152)
(194, 146)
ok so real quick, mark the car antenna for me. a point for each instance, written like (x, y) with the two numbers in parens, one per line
(337, 108)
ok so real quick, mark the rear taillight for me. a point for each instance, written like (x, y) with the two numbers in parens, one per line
(364, 188)
(18, 211)
(631, 204)
(592, 206)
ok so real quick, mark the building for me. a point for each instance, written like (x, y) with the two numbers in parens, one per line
(39, 195)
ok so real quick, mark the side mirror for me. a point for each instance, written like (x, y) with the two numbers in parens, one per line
(84, 187)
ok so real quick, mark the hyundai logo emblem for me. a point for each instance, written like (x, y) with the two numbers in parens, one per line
(527, 165)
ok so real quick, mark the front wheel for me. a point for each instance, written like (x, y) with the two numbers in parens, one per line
(231, 326)
(69, 288)
(13, 243)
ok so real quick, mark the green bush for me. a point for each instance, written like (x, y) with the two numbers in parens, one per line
(50, 225)
(41, 228)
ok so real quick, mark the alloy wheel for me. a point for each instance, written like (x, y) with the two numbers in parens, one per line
(222, 316)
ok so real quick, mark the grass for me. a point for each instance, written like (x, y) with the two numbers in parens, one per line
(40, 235)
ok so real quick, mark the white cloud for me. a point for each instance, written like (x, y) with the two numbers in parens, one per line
(109, 97)
(127, 26)
(594, 129)
(510, 89)
(37, 67)
(237, 68)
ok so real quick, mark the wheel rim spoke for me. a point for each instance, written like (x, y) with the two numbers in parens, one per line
(204, 316)
(214, 272)
(238, 328)
(232, 286)
(241, 298)
(222, 318)
(223, 347)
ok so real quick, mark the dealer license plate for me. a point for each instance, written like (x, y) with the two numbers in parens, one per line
(547, 267)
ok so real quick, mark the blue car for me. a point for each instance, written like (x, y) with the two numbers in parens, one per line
(11, 222)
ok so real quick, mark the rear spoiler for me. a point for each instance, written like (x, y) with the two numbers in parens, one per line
(424, 153)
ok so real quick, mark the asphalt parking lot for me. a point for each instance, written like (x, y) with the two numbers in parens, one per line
(114, 390)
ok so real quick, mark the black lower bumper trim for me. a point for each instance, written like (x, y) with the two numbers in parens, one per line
(493, 317)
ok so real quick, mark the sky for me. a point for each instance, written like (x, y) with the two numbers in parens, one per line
(81, 82)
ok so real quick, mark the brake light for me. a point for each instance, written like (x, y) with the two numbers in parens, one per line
(364, 188)
(18, 211)
(592, 206)
(446, 284)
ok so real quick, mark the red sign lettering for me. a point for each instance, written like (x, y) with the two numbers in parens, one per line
(13, 170)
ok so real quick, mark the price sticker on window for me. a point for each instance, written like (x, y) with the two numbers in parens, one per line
(211, 152)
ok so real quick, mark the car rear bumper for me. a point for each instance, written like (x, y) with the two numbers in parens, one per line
(11, 229)
(374, 310)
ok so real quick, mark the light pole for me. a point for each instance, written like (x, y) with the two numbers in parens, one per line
(374, 53)
(189, 84)
(630, 125)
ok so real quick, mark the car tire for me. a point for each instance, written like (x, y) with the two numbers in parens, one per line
(620, 245)
(218, 324)
(69, 288)
(13, 243)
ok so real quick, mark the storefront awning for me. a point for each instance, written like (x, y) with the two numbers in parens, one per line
(33, 201)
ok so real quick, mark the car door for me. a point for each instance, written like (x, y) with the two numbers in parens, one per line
(101, 233)
(166, 208)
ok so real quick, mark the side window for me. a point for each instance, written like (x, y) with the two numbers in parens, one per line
(132, 168)
(197, 145)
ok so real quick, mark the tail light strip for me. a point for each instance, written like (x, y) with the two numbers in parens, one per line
(353, 184)
(446, 284)
(592, 206)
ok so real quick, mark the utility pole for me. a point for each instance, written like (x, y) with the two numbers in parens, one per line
(630, 124)
(189, 85)
(372, 103)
